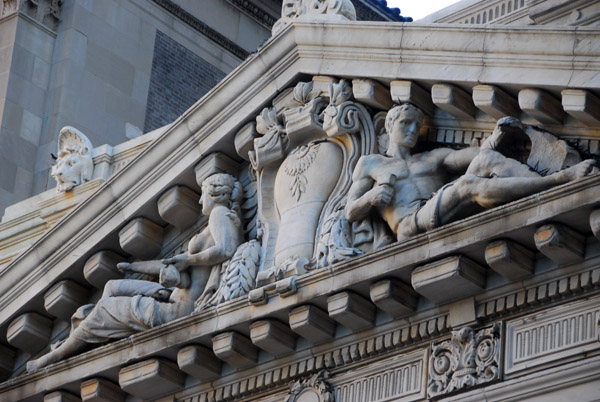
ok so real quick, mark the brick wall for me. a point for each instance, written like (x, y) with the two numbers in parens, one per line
(178, 79)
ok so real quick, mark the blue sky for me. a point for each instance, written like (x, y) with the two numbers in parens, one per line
(419, 8)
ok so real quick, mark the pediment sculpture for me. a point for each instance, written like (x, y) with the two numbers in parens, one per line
(328, 175)
(128, 306)
(74, 165)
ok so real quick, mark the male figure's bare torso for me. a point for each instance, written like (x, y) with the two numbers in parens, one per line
(409, 181)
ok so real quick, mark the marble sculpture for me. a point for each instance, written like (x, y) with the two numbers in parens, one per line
(320, 187)
(413, 193)
(128, 306)
(74, 165)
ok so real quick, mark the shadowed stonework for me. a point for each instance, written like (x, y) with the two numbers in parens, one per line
(179, 78)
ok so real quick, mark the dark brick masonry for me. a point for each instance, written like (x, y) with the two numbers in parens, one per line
(178, 79)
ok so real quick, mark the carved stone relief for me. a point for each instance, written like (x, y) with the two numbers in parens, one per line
(46, 12)
(313, 9)
(74, 165)
(129, 306)
(327, 178)
(471, 357)
(313, 389)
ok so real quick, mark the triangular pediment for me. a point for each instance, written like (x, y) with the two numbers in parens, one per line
(548, 59)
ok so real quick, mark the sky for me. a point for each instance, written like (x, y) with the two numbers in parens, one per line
(419, 8)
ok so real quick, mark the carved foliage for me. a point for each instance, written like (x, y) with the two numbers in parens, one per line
(239, 276)
(315, 388)
(272, 145)
(296, 164)
(336, 240)
(469, 358)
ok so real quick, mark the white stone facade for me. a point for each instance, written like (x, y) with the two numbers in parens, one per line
(317, 303)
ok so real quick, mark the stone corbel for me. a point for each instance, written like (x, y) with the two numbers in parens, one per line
(315, 388)
(469, 358)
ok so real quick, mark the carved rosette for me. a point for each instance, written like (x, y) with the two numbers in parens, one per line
(468, 359)
(315, 388)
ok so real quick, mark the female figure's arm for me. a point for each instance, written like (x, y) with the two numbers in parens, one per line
(225, 232)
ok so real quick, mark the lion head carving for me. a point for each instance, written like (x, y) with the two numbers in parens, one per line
(74, 165)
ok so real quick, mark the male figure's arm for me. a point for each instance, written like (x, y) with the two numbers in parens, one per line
(457, 161)
(365, 193)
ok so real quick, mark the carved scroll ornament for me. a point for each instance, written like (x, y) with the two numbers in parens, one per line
(468, 359)
(313, 389)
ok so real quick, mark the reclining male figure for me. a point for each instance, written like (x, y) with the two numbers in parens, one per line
(414, 194)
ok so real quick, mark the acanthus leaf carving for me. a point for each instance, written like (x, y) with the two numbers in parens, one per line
(336, 240)
(468, 359)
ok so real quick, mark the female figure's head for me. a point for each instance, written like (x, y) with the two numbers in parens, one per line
(220, 189)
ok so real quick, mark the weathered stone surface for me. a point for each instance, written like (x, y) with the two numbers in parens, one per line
(541, 106)
(351, 310)
(410, 92)
(101, 390)
(449, 279)
(560, 243)
(199, 362)
(469, 358)
(312, 323)
(394, 297)
(510, 259)
(273, 337)
(29, 332)
(235, 349)
(141, 238)
(555, 334)
(179, 206)
(61, 396)
(102, 267)
(583, 105)
(244, 140)
(495, 102)
(151, 378)
(453, 100)
(62, 299)
(549, 154)
(216, 162)
(74, 165)
(372, 93)
(462, 313)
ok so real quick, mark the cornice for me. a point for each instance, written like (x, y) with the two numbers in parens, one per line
(255, 12)
(203, 28)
